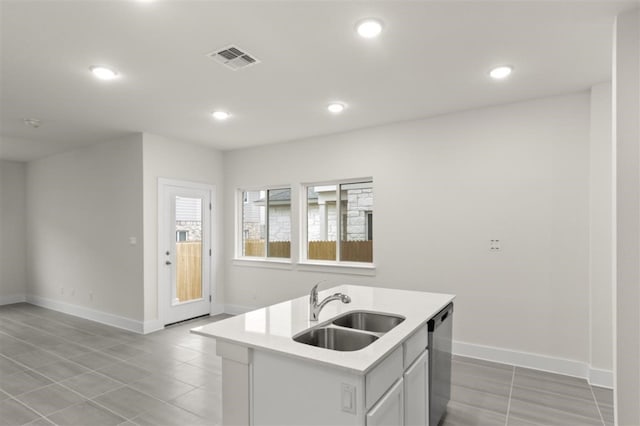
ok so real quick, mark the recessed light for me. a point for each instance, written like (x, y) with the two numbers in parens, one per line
(103, 73)
(335, 108)
(369, 28)
(220, 115)
(32, 122)
(499, 73)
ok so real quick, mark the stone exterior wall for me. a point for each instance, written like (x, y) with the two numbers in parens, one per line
(356, 204)
(193, 228)
(280, 223)
(360, 201)
(253, 231)
(355, 207)
(313, 217)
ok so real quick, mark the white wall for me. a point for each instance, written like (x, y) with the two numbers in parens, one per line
(518, 173)
(601, 229)
(165, 158)
(82, 208)
(13, 254)
(626, 104)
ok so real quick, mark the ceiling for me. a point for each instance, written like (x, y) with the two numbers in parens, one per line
(432, 58)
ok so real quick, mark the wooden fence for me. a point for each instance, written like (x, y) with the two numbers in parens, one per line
(351, 251)
(276, 248)
(188, 270)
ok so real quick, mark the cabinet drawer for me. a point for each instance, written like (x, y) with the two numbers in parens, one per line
(415, 345)
(380, 379)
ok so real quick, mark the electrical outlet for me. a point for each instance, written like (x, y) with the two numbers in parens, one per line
(348, 398)
(494, 245)
(62, 291)
(73, 291)
(91, 296)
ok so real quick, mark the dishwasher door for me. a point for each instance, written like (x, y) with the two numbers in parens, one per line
(440, 338)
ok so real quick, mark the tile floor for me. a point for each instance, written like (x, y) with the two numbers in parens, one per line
(62, 370)
(486, 394)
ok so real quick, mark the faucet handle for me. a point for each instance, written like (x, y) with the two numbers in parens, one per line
(314, 289)
(313, 295)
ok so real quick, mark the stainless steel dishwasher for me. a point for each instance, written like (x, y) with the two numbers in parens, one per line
(440, 336)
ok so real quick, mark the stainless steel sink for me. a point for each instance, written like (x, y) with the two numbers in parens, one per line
(337, 339)
(368, 321)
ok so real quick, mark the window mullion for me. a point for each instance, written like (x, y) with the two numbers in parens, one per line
(338, 223)
(304, 229)
(266, 219)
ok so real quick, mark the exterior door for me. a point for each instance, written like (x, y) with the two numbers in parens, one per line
(185, 251)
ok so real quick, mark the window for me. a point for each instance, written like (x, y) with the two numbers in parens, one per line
(265, 229)
(339, 212)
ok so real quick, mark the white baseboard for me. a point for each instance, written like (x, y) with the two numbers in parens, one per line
(602, 378)
(152, 325)
(87, 313)
(216, 309)
(597, 377)
(567, 367)
(15, 298)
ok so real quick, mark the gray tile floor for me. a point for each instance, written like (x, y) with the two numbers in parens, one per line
(487, 393)
(62, 370)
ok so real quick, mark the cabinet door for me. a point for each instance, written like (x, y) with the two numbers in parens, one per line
(416, 392)
(389, 411)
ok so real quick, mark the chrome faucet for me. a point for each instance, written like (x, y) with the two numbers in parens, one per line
(315, 307)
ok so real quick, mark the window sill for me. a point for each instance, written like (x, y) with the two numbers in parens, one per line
(259, 262)
(352, 268)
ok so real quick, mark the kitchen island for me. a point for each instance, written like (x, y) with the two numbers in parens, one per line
(269, 378)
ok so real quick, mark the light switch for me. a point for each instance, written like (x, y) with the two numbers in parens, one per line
(348, 398)
(133, 241)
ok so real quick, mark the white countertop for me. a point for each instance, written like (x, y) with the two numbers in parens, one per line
(273, 327)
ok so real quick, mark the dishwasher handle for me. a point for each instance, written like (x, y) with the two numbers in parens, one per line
(440, 317)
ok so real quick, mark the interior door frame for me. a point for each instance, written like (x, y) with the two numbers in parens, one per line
(164, 294)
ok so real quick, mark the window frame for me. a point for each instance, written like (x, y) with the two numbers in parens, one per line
(240, 202)
(335, 265)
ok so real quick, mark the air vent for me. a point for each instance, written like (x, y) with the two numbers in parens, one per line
(234, 58)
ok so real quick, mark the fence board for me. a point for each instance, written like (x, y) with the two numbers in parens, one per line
(322, 250)
(357, 251)
(254, 248)
(351, 251)
(276, 248)
(188, 270)
(280, 249)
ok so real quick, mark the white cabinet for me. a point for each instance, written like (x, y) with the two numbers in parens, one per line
(379, 380)
(415, 345)
(416, 392)
(389, 411)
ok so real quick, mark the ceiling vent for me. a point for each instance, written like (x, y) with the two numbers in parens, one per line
(234, 58)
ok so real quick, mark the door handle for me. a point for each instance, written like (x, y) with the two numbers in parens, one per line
(167, 263)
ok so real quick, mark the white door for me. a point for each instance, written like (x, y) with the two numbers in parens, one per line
(184, 242)
(389, 411)
(416, 392)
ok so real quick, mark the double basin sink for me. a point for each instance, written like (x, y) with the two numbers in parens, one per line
(351, 331)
